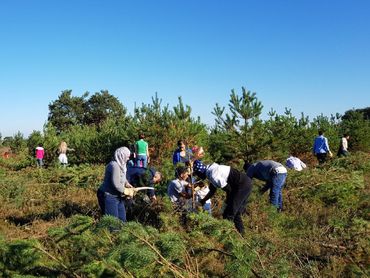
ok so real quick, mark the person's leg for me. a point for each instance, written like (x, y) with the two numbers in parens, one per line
(321, 157)
(266, 187)
(121, 210)
(237, 200)
(101, 201)
(278, 181)
(141, 161)
(145, 161)
(111, 205)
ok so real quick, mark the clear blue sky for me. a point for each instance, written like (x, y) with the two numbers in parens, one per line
(312, 56)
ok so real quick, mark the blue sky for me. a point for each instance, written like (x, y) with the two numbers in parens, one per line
(307, 55)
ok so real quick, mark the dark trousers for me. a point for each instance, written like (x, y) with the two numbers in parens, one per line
(321, 157)
(111, 205)
(236, 201)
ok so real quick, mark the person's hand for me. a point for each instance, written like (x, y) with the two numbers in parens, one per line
(128, 185)
(330, 154)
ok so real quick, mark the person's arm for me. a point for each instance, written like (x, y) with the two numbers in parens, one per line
(116, 177)
(345, 144)
(135, 149)
(175, 158)
(147, 153)
(327, 145)
(212, 191)
(314, 147)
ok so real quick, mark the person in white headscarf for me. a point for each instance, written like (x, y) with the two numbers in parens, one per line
(110, 192)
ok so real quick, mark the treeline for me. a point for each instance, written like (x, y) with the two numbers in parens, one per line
(96, 125)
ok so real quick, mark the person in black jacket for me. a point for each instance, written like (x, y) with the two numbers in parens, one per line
(236, 184)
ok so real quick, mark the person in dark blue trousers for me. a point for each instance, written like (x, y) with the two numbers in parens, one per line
(139, 176)
(109, 194)
(274, 174)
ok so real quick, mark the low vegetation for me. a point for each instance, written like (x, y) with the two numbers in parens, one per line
(50, 224)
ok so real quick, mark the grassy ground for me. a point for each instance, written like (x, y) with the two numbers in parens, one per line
(50, 226)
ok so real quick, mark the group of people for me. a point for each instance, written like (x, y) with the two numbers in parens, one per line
(321, 147)
(62, 154)
(189, 186)
(188, 175)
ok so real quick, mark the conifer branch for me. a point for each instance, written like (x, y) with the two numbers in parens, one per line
(172, 266)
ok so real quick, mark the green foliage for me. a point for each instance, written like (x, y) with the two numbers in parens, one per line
(17, 143)
(323, 229)
(22, 160)
(19, 257)
(12, 191)
(164, 127)
(172, 247)
(238, 132)
(33, 141)
(357, 126)
(101, 106)
(68, 111)
(321, 232)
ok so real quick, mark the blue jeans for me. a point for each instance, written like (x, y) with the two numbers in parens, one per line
(39, 162)
(207, 208)
(112, 205)
(277, 184)
(142, 161)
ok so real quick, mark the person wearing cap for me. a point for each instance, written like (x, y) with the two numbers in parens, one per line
(274, 174)
(109, 194)
(236, 184)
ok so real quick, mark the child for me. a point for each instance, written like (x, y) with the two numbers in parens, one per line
(177, 188)
(40, 155)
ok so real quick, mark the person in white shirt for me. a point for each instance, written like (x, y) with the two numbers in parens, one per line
(295, 163)
(343, 146)
(236, 184)
(200, 194)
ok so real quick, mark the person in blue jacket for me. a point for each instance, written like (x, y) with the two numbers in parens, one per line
(321, 148)
(182, 154)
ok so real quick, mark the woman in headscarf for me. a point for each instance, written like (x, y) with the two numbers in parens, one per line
(110, 192)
